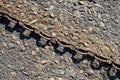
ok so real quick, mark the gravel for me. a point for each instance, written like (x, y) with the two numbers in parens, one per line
(23, 58)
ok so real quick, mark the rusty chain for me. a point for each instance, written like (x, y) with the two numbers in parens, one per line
(29, 29)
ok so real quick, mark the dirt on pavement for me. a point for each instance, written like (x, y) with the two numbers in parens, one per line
(34, 58)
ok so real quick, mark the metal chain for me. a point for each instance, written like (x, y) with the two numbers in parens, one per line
(58, 41)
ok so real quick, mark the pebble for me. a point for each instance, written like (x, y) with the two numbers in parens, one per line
(13, 73)
(4, 44)
(23, 48)
(1, 52)
(51, 79)
(82, 2)
(45, 14)
(12, 44)
(33, 21)
(60, 79)
(61, 0)
(81, 71)
(91, 71)
(85, 61)
(18, 42)
(51, 7)
(37, 49)
(19, 6)
(53, 34)
(90, 29)
(43, 62)
(55, 20)
(74, 37)
(102, 24)
(41, 25)
(10, 66)
(76, 14)
(3, 33)
(98, 5)
(47, 47)
(61, 72)
(46, 9)
(99, 16)
(52, 15)
(33, 52)
(56, 61)
(85, 44)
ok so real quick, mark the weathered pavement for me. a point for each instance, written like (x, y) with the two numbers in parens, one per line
(25, 58)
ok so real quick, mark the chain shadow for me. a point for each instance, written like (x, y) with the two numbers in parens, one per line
(41, 44)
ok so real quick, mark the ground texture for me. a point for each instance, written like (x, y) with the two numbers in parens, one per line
(27, 58)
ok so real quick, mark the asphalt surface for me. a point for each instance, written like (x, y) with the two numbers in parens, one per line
(28, 58)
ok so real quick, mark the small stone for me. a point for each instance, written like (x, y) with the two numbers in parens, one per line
(98, 5)
(25, 73)
(3, 33)
(54, 34)
(18, 43)
(10, 66)
(56, 61)
(4, 44)
(47, 47)
(60, 79)
(52, 15)
(19, 6)
(1, 52)
(61, 0)
(33, 52)
(26, 44)
(55, 20)
(8, 5)
(51, 79)
(13, 73)
(32, 22)
(23, 48)
(46, 9)
(85, 44)
(91, 71)
(76, 14)
(81, 71)
(51, 7)
(41, 25)
(37, 49)
(81, 2)
(102, 24)
(43, 62)
(45, 14)
(74, 37)
(90, 29)
(22, 14)
(61, 72)
(14, 37)
(84, 30)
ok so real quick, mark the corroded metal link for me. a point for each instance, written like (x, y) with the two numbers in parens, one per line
(115, 66)
(14, 21)
(100, 58)
(58, 41)
(63, 43)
